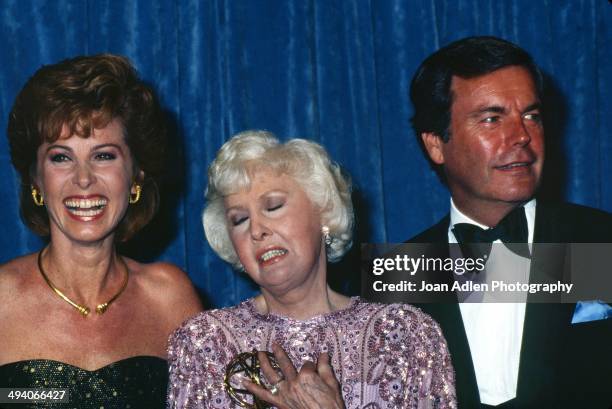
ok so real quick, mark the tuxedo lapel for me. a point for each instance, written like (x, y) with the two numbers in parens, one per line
(540, 346)
(448, 315)
(547, 226)
(545, 324)
(561, 365)
(541, 350)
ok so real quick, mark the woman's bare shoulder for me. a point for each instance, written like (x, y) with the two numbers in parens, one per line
(19, 281)
(159, 274)
(17, 272)
(168, 286)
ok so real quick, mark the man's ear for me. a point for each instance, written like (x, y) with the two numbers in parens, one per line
(433, 144)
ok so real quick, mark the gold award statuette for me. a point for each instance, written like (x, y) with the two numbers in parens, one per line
(246, 366)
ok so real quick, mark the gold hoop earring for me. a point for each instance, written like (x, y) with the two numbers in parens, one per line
(39, 200)
(135, 197)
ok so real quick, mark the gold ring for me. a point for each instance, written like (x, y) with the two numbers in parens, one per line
(275, 388)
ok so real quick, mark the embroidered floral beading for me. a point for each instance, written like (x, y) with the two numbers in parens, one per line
(384, 356)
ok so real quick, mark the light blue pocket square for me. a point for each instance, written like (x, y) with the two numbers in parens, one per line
(591, 311)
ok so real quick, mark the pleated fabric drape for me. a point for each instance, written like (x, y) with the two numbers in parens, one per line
(336, 72)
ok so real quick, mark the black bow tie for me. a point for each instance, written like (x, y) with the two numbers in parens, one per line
(511, 229)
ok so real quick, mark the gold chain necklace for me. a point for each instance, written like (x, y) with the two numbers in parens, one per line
(84, 310)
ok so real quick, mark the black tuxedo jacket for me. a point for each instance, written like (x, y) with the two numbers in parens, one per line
(561, 365)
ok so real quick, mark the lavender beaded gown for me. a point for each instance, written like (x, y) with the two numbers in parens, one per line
(384, 356)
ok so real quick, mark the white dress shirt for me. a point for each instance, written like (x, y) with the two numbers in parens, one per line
(495, 330)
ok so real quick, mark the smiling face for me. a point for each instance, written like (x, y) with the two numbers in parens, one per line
(495, 153)
(276, 232)
(85, 183)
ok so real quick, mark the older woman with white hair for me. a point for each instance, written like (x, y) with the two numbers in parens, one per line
(280, 211)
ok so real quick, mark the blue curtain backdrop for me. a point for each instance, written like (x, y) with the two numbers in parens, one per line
(334, 71)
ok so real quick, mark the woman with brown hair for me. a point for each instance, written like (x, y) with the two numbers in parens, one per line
(87, 138)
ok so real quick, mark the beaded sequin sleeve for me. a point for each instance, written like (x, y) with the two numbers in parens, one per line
(384, 356)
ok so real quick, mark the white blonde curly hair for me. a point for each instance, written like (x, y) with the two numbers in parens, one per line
(307, 162)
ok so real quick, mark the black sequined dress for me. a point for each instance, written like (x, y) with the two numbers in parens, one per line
(132, 383)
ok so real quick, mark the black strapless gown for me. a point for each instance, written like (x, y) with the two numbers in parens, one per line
(132, 383)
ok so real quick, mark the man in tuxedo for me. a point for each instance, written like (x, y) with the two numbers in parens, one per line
(478, 117)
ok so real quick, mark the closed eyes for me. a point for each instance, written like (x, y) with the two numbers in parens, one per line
(238, 220)
(275, 207)
(269, 205)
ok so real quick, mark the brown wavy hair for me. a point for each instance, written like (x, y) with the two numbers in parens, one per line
(86, 93)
